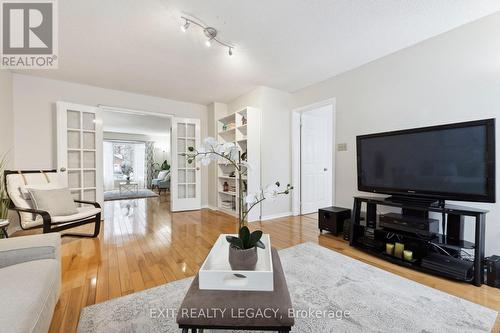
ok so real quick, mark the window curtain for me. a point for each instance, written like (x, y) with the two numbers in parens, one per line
(150, 159)
(108, 166)
(139, 163)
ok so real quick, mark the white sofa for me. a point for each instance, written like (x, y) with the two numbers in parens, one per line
(30, 282)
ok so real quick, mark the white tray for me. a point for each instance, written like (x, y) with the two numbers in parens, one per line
(216, 273)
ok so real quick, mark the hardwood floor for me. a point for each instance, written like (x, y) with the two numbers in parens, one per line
(143, 245)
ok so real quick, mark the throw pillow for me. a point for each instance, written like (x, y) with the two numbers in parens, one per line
(58, 202)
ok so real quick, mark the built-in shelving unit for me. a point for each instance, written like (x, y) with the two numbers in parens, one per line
(243, 129)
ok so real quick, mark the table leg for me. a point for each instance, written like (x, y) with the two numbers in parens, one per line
(185, 330)
(479, 250)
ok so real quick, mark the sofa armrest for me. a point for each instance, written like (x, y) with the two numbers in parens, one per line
(17, 250)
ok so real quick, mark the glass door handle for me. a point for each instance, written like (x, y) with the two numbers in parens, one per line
(62, 169)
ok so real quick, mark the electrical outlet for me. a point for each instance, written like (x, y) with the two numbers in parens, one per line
(342, 147)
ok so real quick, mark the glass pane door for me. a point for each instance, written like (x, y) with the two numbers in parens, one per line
(185, 192)
(80, 150)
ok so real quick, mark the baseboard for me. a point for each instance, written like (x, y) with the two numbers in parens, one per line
(275, 216)
(209, 207)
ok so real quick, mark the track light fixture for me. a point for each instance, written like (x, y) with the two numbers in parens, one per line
(210, 33)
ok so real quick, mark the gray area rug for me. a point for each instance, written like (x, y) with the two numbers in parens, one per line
(115, 195)
(350, 295)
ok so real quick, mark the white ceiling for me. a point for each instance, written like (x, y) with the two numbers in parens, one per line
(285, 44)
(119, 122)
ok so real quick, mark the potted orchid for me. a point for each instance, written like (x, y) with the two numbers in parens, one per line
(243, 248)
(127, 170)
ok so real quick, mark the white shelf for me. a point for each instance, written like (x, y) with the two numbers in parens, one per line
(227, 132)
(247, 138)
(233, 194)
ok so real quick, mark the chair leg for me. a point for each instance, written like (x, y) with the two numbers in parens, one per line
(97, 229)
(4, 231)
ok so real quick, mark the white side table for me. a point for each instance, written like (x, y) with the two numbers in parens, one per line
(132, 187)
(4, 224)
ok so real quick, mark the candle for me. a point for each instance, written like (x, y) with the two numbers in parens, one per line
(389, 248)
(398, 250)
(408, 255)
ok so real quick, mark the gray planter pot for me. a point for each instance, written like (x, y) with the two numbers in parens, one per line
(242, 260)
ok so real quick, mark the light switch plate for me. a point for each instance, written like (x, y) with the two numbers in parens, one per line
(342, 147)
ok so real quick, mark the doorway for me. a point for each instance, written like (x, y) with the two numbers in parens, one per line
(313, 157)
(136, 153)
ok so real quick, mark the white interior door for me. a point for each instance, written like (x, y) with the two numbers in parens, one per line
(316, 159)
(79, 150)
(185, 187)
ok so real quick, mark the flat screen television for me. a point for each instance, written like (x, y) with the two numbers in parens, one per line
(446, 162)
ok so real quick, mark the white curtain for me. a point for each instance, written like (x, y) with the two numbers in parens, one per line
(139, 163)
(108, 166)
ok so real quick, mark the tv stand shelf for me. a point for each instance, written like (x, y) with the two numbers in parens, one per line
(371, 238)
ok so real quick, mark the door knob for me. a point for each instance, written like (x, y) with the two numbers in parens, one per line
(325, 169)
(62, 169)
(197, 168)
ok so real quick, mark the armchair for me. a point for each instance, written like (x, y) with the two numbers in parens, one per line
(162, 182)
(29, 217)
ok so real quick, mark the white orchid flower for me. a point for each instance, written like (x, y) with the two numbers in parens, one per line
(251, 198)
(246, 165)
(271, 191)
(210, 143)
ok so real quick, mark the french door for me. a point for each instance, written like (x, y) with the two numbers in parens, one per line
(185, 187)
(79, 150)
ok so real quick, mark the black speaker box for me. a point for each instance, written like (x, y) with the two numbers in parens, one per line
(332, 219)
(493, 271)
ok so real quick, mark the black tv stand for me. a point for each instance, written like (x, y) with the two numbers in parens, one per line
(372, 238)
(421, 201)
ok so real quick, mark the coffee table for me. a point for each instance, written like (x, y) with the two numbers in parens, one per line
(132, 187)
(240, 310)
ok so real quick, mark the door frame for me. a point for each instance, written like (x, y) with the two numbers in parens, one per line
(296, 151)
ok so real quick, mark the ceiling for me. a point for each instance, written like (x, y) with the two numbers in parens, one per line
(144, 124)
(137, 46)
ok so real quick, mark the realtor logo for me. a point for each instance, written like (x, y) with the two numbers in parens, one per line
(29, 34)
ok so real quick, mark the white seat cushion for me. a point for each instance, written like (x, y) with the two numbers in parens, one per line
(16, 182)
(83, 213)
(29, 293)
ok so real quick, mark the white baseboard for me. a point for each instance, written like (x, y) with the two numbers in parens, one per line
(209, 207)
(275, 216)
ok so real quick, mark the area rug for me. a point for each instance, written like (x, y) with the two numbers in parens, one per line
(330, 293)
(116, 195)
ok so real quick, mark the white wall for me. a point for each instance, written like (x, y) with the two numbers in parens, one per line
(275, 106)
(6, 116)
(34, 116)
(450, 78)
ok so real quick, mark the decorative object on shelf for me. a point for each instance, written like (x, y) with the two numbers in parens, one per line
(224, 127)
(243, 249)
(243, 120)
(225, 187)
(389, 249)
(210, 33)
(398, 250)
(408, 255)
(229, 152)
(232, 174)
